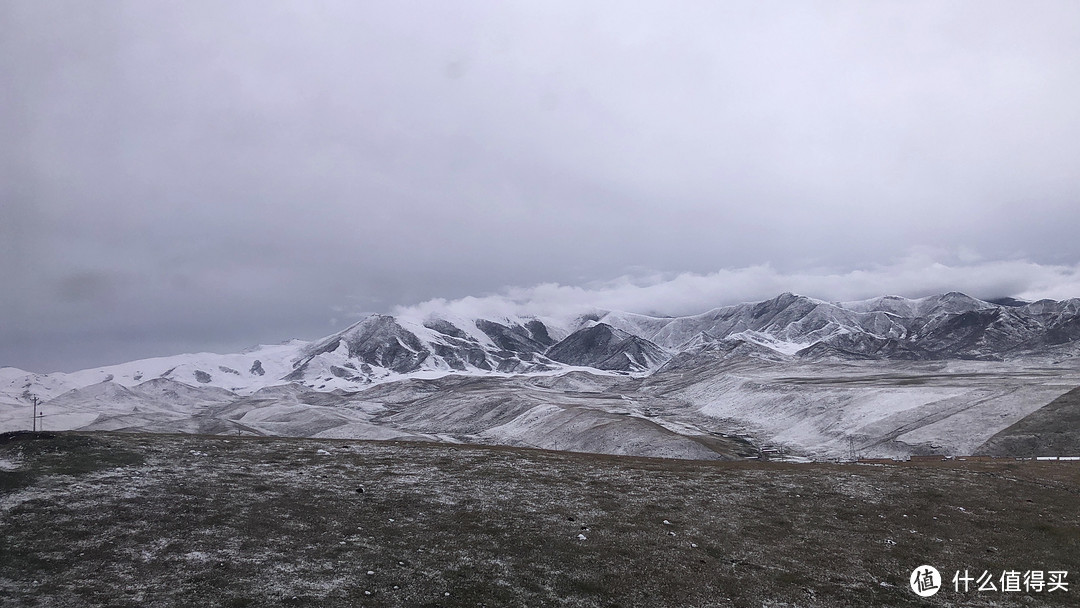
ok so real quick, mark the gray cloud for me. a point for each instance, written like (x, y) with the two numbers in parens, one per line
(916, 275)
(202, 176)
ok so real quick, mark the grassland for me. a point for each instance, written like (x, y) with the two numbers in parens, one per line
(183, 520)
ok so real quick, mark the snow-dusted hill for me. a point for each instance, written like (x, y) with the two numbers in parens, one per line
(720, 373)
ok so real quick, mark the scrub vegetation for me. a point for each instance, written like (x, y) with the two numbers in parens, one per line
(98, 519)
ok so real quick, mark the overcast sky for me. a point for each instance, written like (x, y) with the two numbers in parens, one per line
(185, 176)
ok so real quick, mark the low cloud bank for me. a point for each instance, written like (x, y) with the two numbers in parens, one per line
(688, 293)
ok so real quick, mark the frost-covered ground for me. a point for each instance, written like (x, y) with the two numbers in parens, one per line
(878, 409)
(174, 520)
(708, 410)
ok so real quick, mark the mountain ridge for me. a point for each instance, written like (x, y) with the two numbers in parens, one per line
(882, 377)
(383, 347)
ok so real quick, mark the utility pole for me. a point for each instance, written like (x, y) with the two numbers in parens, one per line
(34, 400)
(851, 448)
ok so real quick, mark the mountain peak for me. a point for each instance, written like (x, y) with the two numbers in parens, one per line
(608, 348)
(382, 347)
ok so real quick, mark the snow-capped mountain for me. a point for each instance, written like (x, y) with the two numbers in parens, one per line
(382, 348)
(949, 326)
(778, 370)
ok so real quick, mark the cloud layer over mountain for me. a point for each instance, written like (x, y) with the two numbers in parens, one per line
(916, 276)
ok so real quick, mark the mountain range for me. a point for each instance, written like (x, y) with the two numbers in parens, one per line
(660, 364)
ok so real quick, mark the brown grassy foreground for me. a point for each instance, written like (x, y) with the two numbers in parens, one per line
(165, 520)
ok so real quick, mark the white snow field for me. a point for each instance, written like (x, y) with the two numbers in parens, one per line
(819, 411)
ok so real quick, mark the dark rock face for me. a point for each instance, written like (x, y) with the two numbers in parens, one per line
(379, 340)
(1061, 319)
(257, 368)
(461, 352)
(201, 376)
(856, 346)
(446, 328)
(782, 302)
(539, 332)
(987, 334)
(514, 338)
(604, 347)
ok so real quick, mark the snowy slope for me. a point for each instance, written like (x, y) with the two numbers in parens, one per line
(383, 348)
(728, 369)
